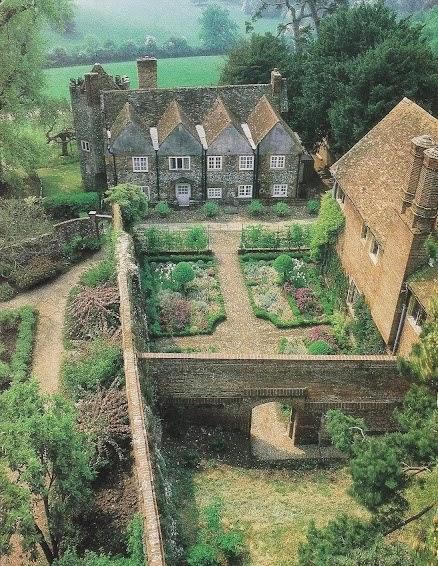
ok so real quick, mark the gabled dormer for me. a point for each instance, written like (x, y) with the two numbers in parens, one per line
(128, 136)
(177, 134)
(223, 133)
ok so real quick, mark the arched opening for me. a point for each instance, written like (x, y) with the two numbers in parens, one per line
(271, 432)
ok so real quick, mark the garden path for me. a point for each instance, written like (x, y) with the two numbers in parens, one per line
(50, 300)
(242, 332)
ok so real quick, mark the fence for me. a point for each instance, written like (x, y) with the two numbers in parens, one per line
(158, 240)
(295, 237)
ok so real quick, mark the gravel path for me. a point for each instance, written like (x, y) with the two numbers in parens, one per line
(50, 300)
(242, 332)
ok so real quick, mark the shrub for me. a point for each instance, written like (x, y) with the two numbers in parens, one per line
(366, 335)
(256, 208)
(174, 313)
(71, 205)
(6, 292)
(77, 246)
(296, 235)
(102, 272)
(325, 231)
(38, 269)
(202, 554)
(98, 366)
(196, 239)
(312, 206)
(306, 300)
(210, 209)
(182, 275)
(284, 265)
(162, 209)
(319, 348)
(281, 209)
(132, 200)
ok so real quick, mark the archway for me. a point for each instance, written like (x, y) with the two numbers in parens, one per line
(271, 431)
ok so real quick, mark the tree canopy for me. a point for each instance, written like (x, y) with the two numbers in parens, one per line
(218, 29)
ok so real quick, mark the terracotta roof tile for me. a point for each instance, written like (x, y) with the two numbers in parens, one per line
(173, 116)
(217, 119)
(373, 172)
(262, 119)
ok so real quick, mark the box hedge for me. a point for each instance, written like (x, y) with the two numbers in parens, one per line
(71, 205)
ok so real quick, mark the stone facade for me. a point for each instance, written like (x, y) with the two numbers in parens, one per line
(114, 125)
(387, 186)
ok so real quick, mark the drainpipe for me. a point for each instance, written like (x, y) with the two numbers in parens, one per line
(204, 174)
(255, 180)
(401, 323)
(297, 187)
(157, 171)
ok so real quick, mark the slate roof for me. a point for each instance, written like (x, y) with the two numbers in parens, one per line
(262, 119)
(424, 285)
(217, 119)
(374, 171)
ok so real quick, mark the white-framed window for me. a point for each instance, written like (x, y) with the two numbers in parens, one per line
(246, 162)
(214, 162)
(416, 314)
(278, 161)
(279, 190)
(179, 163)
(338, 193)
(353, 292)
(214, 192)
(364, 233)
(140, 164)
(244, 191)
(85, 145)
(374, 249)
(146, 190)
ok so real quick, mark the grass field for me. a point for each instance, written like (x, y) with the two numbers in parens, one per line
(62, 175)
(184, 71)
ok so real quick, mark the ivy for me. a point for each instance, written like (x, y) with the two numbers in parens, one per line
(326, 229)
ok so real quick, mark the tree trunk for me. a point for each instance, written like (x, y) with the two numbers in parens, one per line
(45, 546)
(314, 12)
(410, 519)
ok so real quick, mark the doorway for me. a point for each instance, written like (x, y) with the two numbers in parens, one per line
(183, 193)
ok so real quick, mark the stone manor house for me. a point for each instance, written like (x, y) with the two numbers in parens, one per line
(387, 186)
(184, 145)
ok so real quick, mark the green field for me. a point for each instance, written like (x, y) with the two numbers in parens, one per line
(184, 71)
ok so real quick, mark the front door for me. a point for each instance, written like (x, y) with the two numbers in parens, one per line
(183, 191)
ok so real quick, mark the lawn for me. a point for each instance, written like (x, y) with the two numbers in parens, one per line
(184, 71)
(62, 175)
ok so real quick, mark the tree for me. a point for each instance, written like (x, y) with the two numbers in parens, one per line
(57, 120)
(362, 63)
(326, 229)
(218, 31)
(252, 60)
(182, 275)
(132, 200)
(49, 461)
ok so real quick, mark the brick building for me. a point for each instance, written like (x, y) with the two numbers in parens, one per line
(387, 186)
(183, 145)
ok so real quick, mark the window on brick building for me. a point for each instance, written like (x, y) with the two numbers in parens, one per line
(214, 162)
(246, 162)
(338, 193)
(277, 161)
(85, 145)
(244, 191)
(416, 314)
(146, 190)
(279, 191)
(214, 192)
(374, 249)
(364, 232)
(140, 164)
(179, 163)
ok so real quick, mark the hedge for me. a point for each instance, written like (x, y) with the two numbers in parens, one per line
(71, 205)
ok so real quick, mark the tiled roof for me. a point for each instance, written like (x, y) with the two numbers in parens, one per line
(217, 119)
(374, 171)
(424, 285)
(262, 119)
(173, 116)
(125, 117)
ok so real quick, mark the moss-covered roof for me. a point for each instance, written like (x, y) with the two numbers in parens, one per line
(424, 285)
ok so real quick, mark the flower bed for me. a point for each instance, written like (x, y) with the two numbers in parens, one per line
(297, 299)
(183, 296)
(17, 334)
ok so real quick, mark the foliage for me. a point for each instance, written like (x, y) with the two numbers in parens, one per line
(49, 459)
(256, 208)
(217, 30)
(365, 332)
(312, 206)
(281, 209)
(344, 430)
(258, 237)
(252, 60)
(78, 246)
(284, 265)
(158, 240)
(97, 366)
(431, 245)
(182, 275)
(103, 418)
(37, 270)
(6, 292)
(210, 209)
(132, 200)
(328, 225)
(174, 313)
(71, 205)
(162, 209)
(320, 348)
(99, 274)
(21, 219)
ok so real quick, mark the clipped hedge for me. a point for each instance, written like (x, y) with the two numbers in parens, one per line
(71, 205)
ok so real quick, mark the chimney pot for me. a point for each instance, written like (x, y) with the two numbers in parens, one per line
(425, 206)
(418, 145)
(147, 73)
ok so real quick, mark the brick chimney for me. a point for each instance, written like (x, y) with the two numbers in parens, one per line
(425, 205)
(147, 72)
(418, 145)
(276, 82)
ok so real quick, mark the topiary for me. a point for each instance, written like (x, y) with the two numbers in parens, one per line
(210, 209)
(283, 265)
(162, 209)
(182, 275)
(281, 209)
(319, 348)
(256, 208)
(312, 206)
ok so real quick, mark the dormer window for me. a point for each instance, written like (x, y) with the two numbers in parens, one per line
(140, 164)
(277, 161)
(179, 163)
(338, 193)
(85, 146)
(246, 162)
(214, 162)
(416, 314)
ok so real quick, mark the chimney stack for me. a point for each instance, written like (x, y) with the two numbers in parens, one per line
(418, 145)
(425, 205)
(276, 82)
(147, 73)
